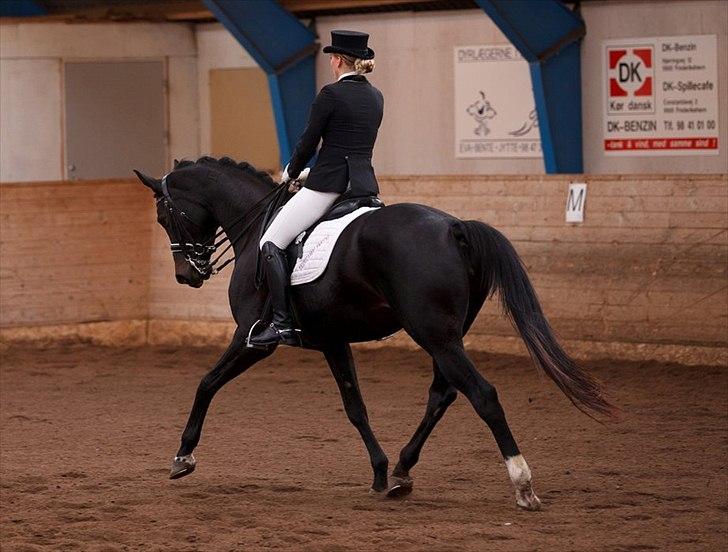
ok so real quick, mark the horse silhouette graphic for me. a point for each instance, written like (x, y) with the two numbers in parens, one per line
(481, 111)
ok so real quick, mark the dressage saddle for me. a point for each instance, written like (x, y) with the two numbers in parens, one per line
(343, 206)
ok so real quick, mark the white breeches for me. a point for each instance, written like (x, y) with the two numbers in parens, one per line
(301, 211)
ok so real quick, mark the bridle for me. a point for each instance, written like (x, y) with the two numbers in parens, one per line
(198, 254)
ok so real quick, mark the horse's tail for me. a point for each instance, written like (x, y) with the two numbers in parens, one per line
(496, 266)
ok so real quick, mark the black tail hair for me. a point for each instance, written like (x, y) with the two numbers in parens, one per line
(494, 259)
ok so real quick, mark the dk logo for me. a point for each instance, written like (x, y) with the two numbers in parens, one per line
(630, 71)
(631, 77)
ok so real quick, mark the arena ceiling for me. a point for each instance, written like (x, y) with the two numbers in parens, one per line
(195, 10)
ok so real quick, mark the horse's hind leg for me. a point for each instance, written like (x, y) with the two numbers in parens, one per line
(342, 367)
(442, 395)
(460, 372)
(234, 361)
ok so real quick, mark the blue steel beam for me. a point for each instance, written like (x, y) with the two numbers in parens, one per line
(20, 8)
(548, 35)
(284, 48)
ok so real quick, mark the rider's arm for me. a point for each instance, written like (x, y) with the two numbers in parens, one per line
(321, 109)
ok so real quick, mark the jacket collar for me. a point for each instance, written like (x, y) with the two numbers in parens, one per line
(352, 77)
(344, 75)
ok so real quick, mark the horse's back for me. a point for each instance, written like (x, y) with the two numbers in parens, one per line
(382, 259)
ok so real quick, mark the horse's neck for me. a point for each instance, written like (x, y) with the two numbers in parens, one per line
(233, 199)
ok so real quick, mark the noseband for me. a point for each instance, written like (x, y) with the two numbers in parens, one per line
(198, 254)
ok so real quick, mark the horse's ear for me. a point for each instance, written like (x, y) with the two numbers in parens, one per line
(151, 183)
(176, 162)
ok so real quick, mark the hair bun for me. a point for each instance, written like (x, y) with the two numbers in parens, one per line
(362, 66)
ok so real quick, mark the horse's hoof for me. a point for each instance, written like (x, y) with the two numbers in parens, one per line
(527, 499)
(182, 465)
(399, 487)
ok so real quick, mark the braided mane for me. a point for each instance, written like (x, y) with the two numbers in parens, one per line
(230, 167)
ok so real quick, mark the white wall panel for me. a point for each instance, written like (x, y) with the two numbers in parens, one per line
(184, 124)
(216, 49)
(415, 72)
(607, 20)
(30, 119)
(31, 55)
(96, 40)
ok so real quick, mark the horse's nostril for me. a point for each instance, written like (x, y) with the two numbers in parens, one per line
(181, 279)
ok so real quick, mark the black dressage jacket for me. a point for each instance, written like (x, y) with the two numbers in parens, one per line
(346, 115)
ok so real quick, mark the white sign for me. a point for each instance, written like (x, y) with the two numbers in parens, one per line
(495, 114)
(575, 202)
(661, 96)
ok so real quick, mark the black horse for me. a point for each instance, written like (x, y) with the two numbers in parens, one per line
(402, 266)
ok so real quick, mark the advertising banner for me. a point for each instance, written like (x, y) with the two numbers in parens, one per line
(661, 96)
(495, 114)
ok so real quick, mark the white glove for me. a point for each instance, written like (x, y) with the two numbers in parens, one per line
(284, 177)
(304, 175)
(295, 184)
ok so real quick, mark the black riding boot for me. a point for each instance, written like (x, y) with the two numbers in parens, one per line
(281, 328)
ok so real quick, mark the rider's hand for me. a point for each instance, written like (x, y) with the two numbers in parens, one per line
(284, 177)
(294, 186)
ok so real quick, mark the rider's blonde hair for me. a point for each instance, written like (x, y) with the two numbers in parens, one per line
(361, 66)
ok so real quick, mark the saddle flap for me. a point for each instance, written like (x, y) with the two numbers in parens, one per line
(311, 260)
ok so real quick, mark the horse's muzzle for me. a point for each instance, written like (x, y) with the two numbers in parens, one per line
(192, 279)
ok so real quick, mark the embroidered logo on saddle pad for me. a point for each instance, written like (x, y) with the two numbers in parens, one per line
(319, 245)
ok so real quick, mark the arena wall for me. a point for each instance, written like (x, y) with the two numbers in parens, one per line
(647, 267)
(414, 70)
(216, 49)
(74, 252)
(31, 77)
(414, 54)
(609, 19)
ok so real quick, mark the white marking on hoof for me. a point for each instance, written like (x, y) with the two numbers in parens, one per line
(520, 475)
(187, 459)
(518, 470)
(182, 465)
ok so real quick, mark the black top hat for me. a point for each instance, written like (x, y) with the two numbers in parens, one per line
(350, 43)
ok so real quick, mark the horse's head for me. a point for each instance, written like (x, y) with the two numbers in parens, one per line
(189, 223)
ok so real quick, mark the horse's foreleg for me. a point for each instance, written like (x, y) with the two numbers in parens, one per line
(442, 395)
(460, 372)
(342, 367)
(234, 361)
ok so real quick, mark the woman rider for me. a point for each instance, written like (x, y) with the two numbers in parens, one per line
(346, 115)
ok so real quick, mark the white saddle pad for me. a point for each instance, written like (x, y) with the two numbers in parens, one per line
(319, 245)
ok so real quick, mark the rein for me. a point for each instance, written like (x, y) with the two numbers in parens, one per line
(198, 254)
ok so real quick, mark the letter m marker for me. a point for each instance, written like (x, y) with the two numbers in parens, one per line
(575, 202)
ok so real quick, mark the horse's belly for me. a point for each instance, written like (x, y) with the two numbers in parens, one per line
(351, 323)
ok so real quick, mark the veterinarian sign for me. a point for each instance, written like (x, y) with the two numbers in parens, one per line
(495, 113)
(661, 96)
